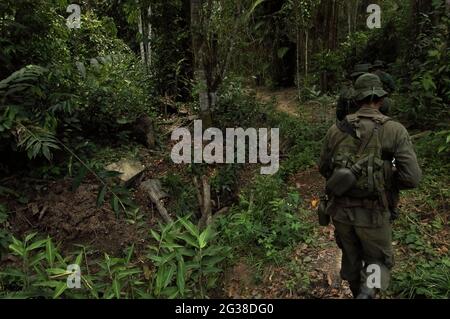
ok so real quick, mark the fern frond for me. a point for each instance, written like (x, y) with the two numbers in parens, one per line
(20, 80)
(36, 141)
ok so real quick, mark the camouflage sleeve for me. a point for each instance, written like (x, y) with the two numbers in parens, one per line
(325, 156)
(408, 171)
(341, 109)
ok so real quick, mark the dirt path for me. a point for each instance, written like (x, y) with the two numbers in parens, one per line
(286, 99)
(287, 102)
(313, 269)
(325, 255)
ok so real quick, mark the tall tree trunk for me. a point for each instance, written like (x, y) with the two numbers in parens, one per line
(355, 15)
(297, 64)
(145, 30)
(141, 43)
(349, 18)
(199, 71)
(306, 56)
(328, 15)
(149, 36)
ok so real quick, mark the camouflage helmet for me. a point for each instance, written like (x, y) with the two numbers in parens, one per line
(368, 84)
(378, 64)
(360, 69)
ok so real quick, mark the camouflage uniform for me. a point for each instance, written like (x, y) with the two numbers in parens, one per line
(346, 103)
(388, 84)
(386, 78)
(362, 225)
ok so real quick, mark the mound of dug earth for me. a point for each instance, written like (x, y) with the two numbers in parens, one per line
(73, 217)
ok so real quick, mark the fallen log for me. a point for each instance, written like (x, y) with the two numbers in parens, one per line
(150, 187)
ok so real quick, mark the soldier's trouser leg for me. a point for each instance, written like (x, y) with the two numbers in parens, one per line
(377, 256)
(363, 247)
(352, 255)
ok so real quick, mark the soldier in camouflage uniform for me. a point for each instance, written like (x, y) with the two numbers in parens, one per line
(346, 104)
(361, 214)
(388, 84)
(386, 79)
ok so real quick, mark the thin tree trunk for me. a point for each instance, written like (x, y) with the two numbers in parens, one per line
(298, 62)
(207, 213)
(355, 15)
(306, 55)
(149, 36)
(349, 17)
(203, 191)
(199, 72)
(141, 43)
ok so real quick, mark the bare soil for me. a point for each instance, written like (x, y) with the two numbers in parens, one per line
(72, 217)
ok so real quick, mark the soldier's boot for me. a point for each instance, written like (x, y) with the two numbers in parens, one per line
(355, 287)
(366, 293)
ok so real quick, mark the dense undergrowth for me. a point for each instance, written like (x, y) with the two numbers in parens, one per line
(68, 102)
(267, 217)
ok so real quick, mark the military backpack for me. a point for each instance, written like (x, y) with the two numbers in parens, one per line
(357, 163)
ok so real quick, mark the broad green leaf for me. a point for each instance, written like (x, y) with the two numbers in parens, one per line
(170, 292)
(79, 258)
(115, 204)
(101, 196)
(190, 227)
(130, 253)
(58, 271)
(13, 273)
(128, 273)
(19, 250)
(50, 251)
(212, 270)
(186, 252)
(213, 250)
(164, 258)
(116, 288)
(203, 238)
(181, 274)
(79, 178)
(188, 239)
(16, 241)
(169, 275)
(190, 265)
(37, 258)
(155, 235)
(60, 289)
(46, 152)
(48, 283)
(160, 279)
(37, 244)
(212, 261)
(29, 237)
(171, 246)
